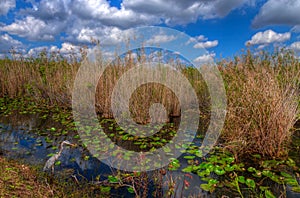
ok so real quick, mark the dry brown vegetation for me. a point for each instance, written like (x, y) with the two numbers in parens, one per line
(263, 101)
(262, 94)
(42, 80)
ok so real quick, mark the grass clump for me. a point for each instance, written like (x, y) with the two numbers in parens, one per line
(262, 107)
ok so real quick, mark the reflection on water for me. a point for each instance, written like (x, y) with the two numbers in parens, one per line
(19, 143)
(20, 140)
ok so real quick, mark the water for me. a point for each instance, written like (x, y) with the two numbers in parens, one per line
(20, 140)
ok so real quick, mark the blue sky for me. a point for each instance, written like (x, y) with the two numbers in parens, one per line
(222, 27)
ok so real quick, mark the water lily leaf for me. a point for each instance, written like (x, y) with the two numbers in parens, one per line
(188, 169)
(189, 157)
(269, 194)
(105, 189)
(113, 179)
(57, 163)
(130, 190)
(125, 137)
(207, 187)
(250, 183)
(267, 173)
(251, 169)
(229, 168)
(50, 154)
(213, 181)
(241, 179)
(219, 171)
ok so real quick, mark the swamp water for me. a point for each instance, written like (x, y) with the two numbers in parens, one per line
(31, 139)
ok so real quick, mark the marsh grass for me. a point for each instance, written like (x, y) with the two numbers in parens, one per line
(262, 107)
(148, 94)
(262, 94)
(42, 79)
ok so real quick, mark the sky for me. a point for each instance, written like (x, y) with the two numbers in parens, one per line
(223, 27)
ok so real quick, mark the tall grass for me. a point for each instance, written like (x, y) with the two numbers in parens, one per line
(42, 79)
(263, 98)
(262, 94)
(149, 93)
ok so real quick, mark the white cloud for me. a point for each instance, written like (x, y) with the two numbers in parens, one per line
(108, 36)
(275, 12)
(161, 38)
(183, 12)
(202, 42)
(82, 20)
(66, 50)
(195, 39)
(101, 11)
(33, 52)
(7, 43)
(86, 35)
(295, 46)
(32, 29)
(206, 44)
(201, 38)
(205, 59)
(90, 9)
(267, 37)
(51, 10)
(6, 5)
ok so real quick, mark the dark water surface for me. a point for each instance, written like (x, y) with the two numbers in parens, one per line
(30, 139)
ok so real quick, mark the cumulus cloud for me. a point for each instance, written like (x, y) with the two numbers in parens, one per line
(33, 29)
(7, 43)
(50, 10)
(101, 11)
(33, 52)
(195, 39)
(267, 37)
(278, 12)
(108, 36)
(202, 42)
(295, 46)
(161, 38)
(66, 50)
(81, 20)
(90, 9)
(205, 59)
(206, 44)
(6, 5)
(183, 12)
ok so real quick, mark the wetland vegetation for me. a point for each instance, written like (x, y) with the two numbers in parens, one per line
(257, 154)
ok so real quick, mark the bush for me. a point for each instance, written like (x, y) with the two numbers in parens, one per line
(262, 95)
